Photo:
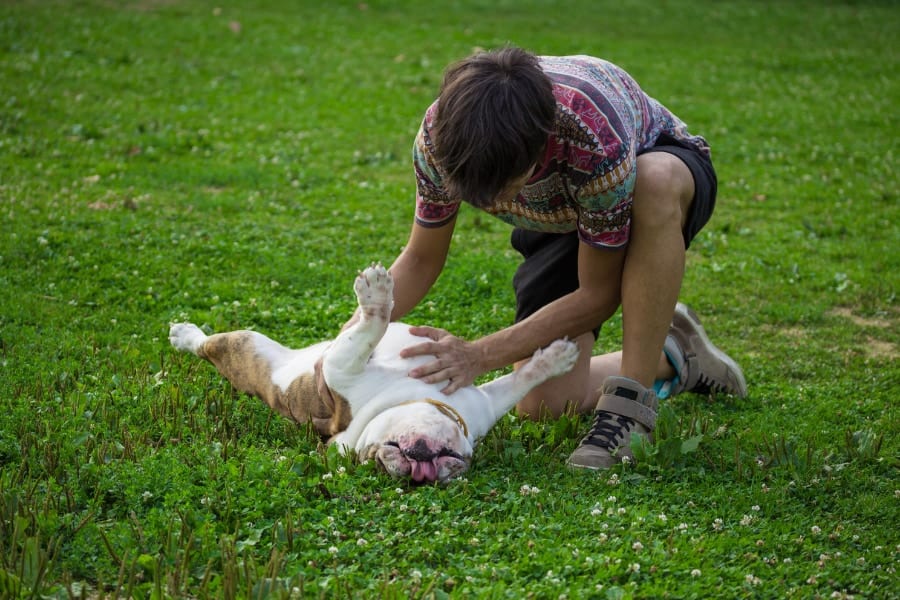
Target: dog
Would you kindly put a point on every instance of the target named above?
(374, 408)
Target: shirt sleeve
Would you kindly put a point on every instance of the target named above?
(605, 200)
(434, 208)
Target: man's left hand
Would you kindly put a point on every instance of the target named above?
(456, 360)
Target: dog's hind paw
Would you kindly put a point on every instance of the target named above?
(186, 337)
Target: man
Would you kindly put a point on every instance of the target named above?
(605, 188)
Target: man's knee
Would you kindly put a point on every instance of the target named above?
(663, 190)
(535, 408)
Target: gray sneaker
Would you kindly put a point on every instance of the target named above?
(702, 368)
(625, 409)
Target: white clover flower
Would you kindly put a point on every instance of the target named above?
(416, 574)
(341, 470)
(746, 520)
(361, 542)
(815, 529)
(752, 579)
(662, 517)
(718, 525)
(332, 550)
(596, 512)
(611, 499)
(327, 476)
(755, 508)
(634, 567)
(399, 491)
(637, 546)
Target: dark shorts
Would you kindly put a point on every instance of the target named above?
(550, 268)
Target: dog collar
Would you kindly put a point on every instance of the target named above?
(445, 409)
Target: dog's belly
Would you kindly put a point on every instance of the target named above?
(396, 338)
(385, 363)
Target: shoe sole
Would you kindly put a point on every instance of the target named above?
(686, 319)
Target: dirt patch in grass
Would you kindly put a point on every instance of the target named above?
(875, 348)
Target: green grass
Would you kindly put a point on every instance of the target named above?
(236, 166)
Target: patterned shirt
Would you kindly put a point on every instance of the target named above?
(585, 181)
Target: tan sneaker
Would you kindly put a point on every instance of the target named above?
(625, 409)
(701, 366)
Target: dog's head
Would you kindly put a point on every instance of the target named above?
(426, 441)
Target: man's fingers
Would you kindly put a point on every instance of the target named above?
(418, 350)
(430, 332)
(450, 388)
(429, 373)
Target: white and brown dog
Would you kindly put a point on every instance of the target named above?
(408, 426)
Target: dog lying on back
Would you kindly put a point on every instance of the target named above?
(408, 426)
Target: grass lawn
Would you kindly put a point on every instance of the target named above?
(235, 164)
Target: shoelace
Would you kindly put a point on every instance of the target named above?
(607, 428)
(706, 384)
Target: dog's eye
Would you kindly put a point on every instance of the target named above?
(394, 444)
(449, 452)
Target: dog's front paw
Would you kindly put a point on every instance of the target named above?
(186, 337)
(375, 288)
(554, 360)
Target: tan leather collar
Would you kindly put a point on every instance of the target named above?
(446, 409)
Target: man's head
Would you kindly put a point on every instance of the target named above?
(494, 114)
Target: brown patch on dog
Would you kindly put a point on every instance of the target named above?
(235, 356)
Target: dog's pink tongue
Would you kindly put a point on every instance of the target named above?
(423, 471)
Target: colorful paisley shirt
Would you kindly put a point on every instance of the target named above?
(585, 181)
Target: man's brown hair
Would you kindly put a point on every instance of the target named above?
(494, 114)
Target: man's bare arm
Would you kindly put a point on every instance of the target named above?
(596, 299)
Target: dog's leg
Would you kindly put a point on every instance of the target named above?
(505, 392)
(348, 354)
(247, 359)
(187, 337)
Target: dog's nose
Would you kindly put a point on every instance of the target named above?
(419, 451)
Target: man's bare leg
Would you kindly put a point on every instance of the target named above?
(651, 280)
